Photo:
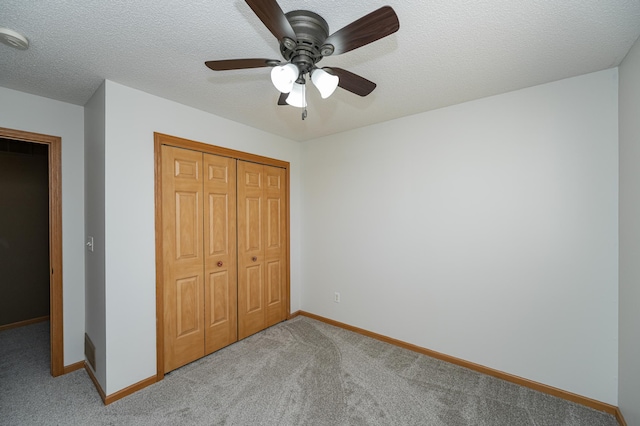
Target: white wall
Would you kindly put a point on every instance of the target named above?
(486, 231)
(31, 113)
(94, 186)
(629, 350)
(131, 118)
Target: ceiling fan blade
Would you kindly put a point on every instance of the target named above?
(238, 64)
(374, 26)
(282, 100)
(352, 82)
(273, 18)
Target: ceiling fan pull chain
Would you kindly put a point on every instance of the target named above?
(304, 100)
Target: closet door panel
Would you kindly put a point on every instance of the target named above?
(251, 309)
(261, 247)
(275, 247)
(183, 256)
(220, 262)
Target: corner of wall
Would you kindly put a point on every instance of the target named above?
(629, 236)
(94, 208)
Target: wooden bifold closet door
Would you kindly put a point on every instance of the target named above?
(261, 247)
(204, 307)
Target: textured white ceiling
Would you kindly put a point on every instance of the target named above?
(446, 52)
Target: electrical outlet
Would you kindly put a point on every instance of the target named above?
(336, 297)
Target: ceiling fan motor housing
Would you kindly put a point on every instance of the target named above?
(311, 31)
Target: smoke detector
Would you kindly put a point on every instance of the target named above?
(13, 39)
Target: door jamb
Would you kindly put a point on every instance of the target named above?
(162, 139)
(55, 239)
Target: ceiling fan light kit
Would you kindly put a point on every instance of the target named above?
(304, 40)
(325, 82)
(297, 96)
(284, 76)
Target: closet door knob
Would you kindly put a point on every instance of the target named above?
(219, 263)
(254, 258)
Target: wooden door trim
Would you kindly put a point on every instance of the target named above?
(218, 150)
(55, 239)
(163, 139)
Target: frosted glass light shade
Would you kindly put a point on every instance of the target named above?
(284, 76)
(297, 96)
(325, 82)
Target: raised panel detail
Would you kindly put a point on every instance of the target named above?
(185, 169)
(254, 289)
(252, 179)
(273, 182)
(254, 226)
(218, 173)
(187, 213)
(187, 306)
(218, 224)
(273, 222)
(274, 294)
(219, 293)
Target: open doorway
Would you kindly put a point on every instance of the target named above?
(24, 233)
(50, 148)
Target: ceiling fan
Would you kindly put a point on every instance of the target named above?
(304, 40)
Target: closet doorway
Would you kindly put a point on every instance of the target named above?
(54, 154)
(222, 247)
